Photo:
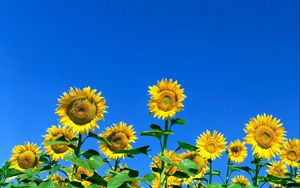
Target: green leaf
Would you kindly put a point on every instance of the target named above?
(95, 162)
(71, 157)
(93, 135)
(155, 127)
(214, 185)
(234, 185)
(183, 145)
(156, 133)
(119, 179)
(186, 165)
(140, 150)
(148, 178)
(47, 184)
(178, 121)
(180, 174)
(89, 153)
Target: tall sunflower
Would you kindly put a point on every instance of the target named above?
(80, 175)
(211, 145)
(242, 180)
(172, 156)
(290, 154)
(58, 151)
(25, 156)
(166, 99)
(266, 135)
(278, 169)
(237, 151)
(201, 164)
(81, 109)
(120, 136)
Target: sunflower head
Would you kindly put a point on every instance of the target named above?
(172, 181)
(80, 175)
(165, 99)
(199, 160)
(290, 154)
(211, 145)
(266, 135)
(242, 180)
(25, 156)
(120, 136)
(58, 180)
(58, 151)
(237, 151)
(278, 169)
(172, 156)
(81, 109)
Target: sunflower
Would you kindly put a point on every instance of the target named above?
(81, 109)
(237, 151)
(58, 180)
(266, 135)
(211, 145)
(172, 156)
(165, 99)
(58, 151)
(290, 154)
(171, 182)
(201, 164)
(80, 175)
(120, 136)
(25, 156)
(242, 180)
(278, 169)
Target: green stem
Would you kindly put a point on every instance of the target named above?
(227, 173)
(257, 168)
(210, 171)
(291, 172)
(165, 142)
(78, 145)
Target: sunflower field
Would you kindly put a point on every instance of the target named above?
(60, 160)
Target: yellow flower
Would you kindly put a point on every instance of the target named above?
(172, 156)
(81, 109)
(237, 151)
(120, 136)
(58, 151)
(211, 145)
(79, 178)
(278, 169)
(171, 182)
(58, 180)
(201, 164)
(165, 99)
(290, 154)
(242, 180)
(25, 156)
(266, 135)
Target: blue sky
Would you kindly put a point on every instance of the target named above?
(235, 59)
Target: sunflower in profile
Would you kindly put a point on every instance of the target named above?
(237, 151)
(266, 135)
(211, 145)
(172, 181)
(165, 99)
(242, 180)
(58, 180)
(290, 154)
(278, 169)
(25, 156)
(58, 151)
(201, 164)
(81, 109)
(120, 136)
(172, 156)
(80, 175)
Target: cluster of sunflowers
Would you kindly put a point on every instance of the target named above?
(63, 162)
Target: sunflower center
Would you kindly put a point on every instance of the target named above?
(211, 147)
(27, 160)
(293, 155)
(235, 151)
(167, 100)
(59, 148)
(264, 136)
(118, 141)
(82, 111)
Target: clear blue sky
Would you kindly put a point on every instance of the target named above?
(235, 59)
